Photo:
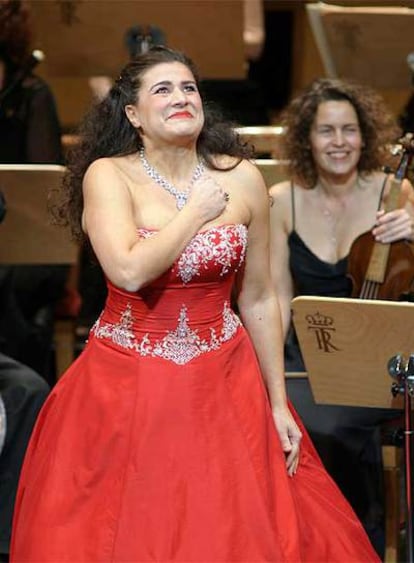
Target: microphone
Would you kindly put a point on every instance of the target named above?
(140, 38)
(36, 57)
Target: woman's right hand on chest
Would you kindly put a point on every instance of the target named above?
(207, 198)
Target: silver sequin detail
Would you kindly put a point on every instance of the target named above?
(217, 245)
(179, 346)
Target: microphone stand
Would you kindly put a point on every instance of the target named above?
(403, 372)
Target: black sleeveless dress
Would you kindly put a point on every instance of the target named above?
(311, 276)
(347, 438)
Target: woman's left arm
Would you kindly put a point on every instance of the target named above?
(399, 223)
(259, 310)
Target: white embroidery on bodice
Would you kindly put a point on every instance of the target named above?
(179, 346)
(217, 245)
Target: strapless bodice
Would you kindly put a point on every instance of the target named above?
(186, 311)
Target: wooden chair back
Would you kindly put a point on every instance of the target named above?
(265, 138)
(27, 236)
(273, 170)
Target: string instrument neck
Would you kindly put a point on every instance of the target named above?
(385, 270)
(377, 265)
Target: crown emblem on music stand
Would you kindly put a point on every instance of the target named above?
(318, 320)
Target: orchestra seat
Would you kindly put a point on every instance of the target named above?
(273, 170)
(264, 138)
(28, 237)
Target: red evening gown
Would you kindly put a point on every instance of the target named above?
(158, 444)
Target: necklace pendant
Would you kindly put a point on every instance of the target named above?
(181, 200)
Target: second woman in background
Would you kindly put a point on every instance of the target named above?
(335, 143)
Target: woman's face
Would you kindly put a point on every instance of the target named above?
(336, 139)
(169, 107)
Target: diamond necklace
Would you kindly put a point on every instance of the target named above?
(181, 196)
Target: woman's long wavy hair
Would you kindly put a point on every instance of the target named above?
(106, 131)
(378, 127)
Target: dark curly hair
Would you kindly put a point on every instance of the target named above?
(106, 131)
(378, 127)
(15, 35)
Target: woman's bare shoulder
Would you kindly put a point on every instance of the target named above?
(100, 167)
(108, 171)
(249, 168)
(122, 167)
(280, 192)
(108, 164)
(241, 172)
(234, 164)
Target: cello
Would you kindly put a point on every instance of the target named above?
(385, 270)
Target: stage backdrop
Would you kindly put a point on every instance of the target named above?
(83, 38)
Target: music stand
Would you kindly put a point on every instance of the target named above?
(367, 44)
(351, 347)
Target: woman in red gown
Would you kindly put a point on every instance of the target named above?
(170, 438)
